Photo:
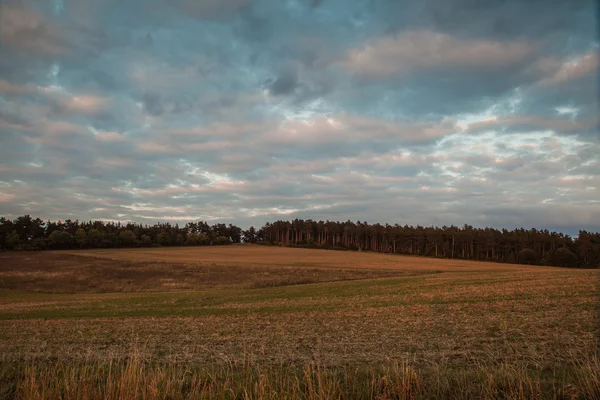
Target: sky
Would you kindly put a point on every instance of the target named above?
(239, 111)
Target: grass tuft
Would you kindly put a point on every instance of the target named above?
(139, 380)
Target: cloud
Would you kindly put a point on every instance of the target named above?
(572, 70)
(153, 104)
(410, 51)
(243, 111)
(85, 104)
(285, 83)
(23, 29)
(558, 20)
(315, 3)
(212, 9)
(110, 137)
(8, 88)
(349, 128)
(528, 122)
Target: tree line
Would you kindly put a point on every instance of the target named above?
(526, 246)
(27, 233)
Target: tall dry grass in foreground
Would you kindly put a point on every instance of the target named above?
(136, 379)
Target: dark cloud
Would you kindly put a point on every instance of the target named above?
(212, 9)
(153, 104)
(285, 83)
(505, 20)
(253, 26)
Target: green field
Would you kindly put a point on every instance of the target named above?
(260, 322)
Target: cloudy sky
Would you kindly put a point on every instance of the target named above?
(411, 112)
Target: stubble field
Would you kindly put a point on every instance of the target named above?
(266, 322)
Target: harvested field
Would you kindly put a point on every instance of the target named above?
(252, 255)
(121, 271)
(251, 305)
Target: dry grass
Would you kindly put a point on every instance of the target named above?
(253, 255)
(138, 380)
(252, 329)
(101, 272)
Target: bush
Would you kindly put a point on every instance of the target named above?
(81, 237)
(12, 240)
(221, 240)
(60, 239)
(193, 239)
(528, 256)
(164, 239)
(146, 241)
(127, 238)
(339, 248)
(94, 237)
(38, 244)
(564, 257)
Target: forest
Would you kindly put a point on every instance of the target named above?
(524, 246)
